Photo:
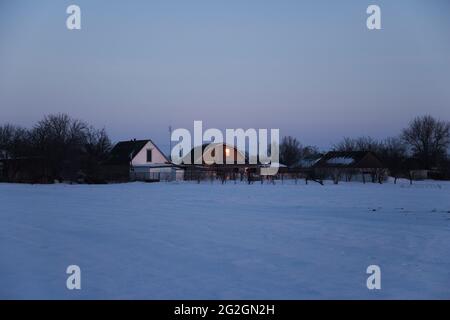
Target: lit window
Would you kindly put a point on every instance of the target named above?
(227, 152)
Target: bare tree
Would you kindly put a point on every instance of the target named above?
(393, 153)
(98, 143)
(290, 151)
(70, 147)
(96, 150)
(59, 139)
(428, 139)
(13, 141)
(6, 136)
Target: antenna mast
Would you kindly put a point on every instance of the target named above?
(170, 143)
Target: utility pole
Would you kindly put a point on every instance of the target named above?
(170, 143)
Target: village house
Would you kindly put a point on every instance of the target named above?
(350, 165)
(139, 160)
(200, 163)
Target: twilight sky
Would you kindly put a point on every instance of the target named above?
(310, 68)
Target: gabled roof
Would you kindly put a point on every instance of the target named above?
(349, 159)
(124, 151)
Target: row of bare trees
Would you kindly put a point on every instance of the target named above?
(58, 146)
(426, 140)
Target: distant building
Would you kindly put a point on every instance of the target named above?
(361, 165)
(200, 163)
(139, 160)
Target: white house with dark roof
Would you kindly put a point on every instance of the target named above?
(142, 160)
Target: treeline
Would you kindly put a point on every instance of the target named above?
(57, 148)
(424, 144)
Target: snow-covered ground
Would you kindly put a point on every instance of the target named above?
(213, 241)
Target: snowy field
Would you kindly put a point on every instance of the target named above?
(213, 241)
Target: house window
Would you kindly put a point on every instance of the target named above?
(149, 155)
(227, 152)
